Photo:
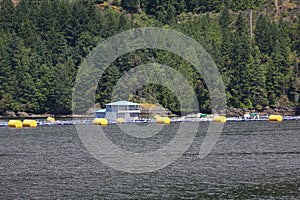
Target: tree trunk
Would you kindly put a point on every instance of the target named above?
(276, 8)
(251, 23)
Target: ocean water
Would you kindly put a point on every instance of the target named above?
(251, 160)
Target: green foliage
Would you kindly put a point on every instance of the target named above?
(42, 43)
(130, 5)
(245, 4)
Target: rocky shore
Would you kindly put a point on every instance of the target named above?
(230, 112)
(285, 111)
(12, 115)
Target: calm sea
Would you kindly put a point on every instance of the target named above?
(251, 160)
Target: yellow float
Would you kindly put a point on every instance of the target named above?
(51, 119)
(220, 119)
(15, 124)
(163, 120)
(29, 123)
(100, 121)
(275, 118)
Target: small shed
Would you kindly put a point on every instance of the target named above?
(100, 113)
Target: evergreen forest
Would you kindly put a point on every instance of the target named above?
(254, 43)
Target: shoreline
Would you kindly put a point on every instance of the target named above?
(230, 112)
(283, 111)
(90, 121)
(41, 116)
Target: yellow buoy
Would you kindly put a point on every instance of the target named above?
(163, 120)
(275, 118)
(120, 120)
(50, 119)
(29, 123)
(220, 119)
(100, 121)
(15, 124)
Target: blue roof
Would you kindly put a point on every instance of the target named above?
(122, 103)
(102, 110)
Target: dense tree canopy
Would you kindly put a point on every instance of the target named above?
(42, 44)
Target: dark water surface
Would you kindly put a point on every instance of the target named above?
(250, 160)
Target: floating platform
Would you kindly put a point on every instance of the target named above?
(172, 120)
(3, 123)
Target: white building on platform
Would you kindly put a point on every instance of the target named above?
(121, 109)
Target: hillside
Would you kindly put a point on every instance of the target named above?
(43, 43)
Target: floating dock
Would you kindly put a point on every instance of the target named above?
(172, 120)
